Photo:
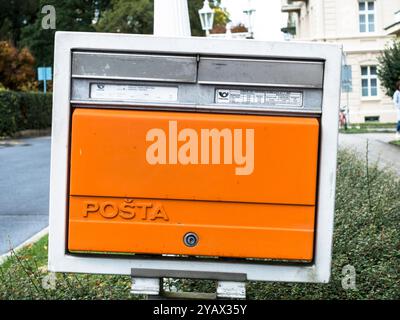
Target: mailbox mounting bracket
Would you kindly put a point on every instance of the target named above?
(150, 282)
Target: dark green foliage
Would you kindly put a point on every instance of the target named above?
(9, 107)
(24, 110)
(195, 24)
(22, 23)
(367, 236)
(15, 15)
(77, 15)
(127, 16)
(35, 111)
(389, 68)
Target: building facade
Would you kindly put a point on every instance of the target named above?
(364, 28)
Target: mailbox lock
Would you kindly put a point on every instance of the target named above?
(190, 239)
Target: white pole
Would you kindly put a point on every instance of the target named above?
(171, 18)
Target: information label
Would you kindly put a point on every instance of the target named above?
(120, 92)
(274, 98)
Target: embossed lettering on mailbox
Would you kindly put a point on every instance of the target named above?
(128, 209)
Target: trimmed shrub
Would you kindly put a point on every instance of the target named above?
(9, 112)
(35, 111)
(23, 111)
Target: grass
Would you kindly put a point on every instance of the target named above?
(366, 236)
(369, 127)
(23, 274)
(365, 130)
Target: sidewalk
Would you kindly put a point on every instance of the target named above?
(379, 149)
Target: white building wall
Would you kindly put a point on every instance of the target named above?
(338, 21)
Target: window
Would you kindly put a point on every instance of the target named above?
(369, 81)
(371, 119)
(366, 11)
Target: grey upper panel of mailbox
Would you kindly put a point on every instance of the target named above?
(279, 73)
(234, 71)
(134, 67)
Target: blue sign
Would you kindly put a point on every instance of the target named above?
(44, 74)
(347, 84)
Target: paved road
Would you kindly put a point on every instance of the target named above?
(386, 155)
(24, 189)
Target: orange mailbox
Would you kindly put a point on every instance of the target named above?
(257, 200)
(214, 152)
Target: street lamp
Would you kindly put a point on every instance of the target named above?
(206, 17)
(249, 12)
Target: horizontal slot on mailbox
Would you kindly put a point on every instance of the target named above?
(300, 74)
(125, 66)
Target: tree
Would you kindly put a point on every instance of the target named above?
(16, 67)
(72, 15)
(389, 67)
(136, 16)
(14, 15)
(127, 16)
(221, 17)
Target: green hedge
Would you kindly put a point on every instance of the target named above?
(23, 111)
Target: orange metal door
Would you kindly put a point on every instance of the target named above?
(141, 180)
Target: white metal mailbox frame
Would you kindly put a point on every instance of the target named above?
(61, 261)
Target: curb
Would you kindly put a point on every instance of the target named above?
(28, 133)
(28, 242)
(33, 133)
